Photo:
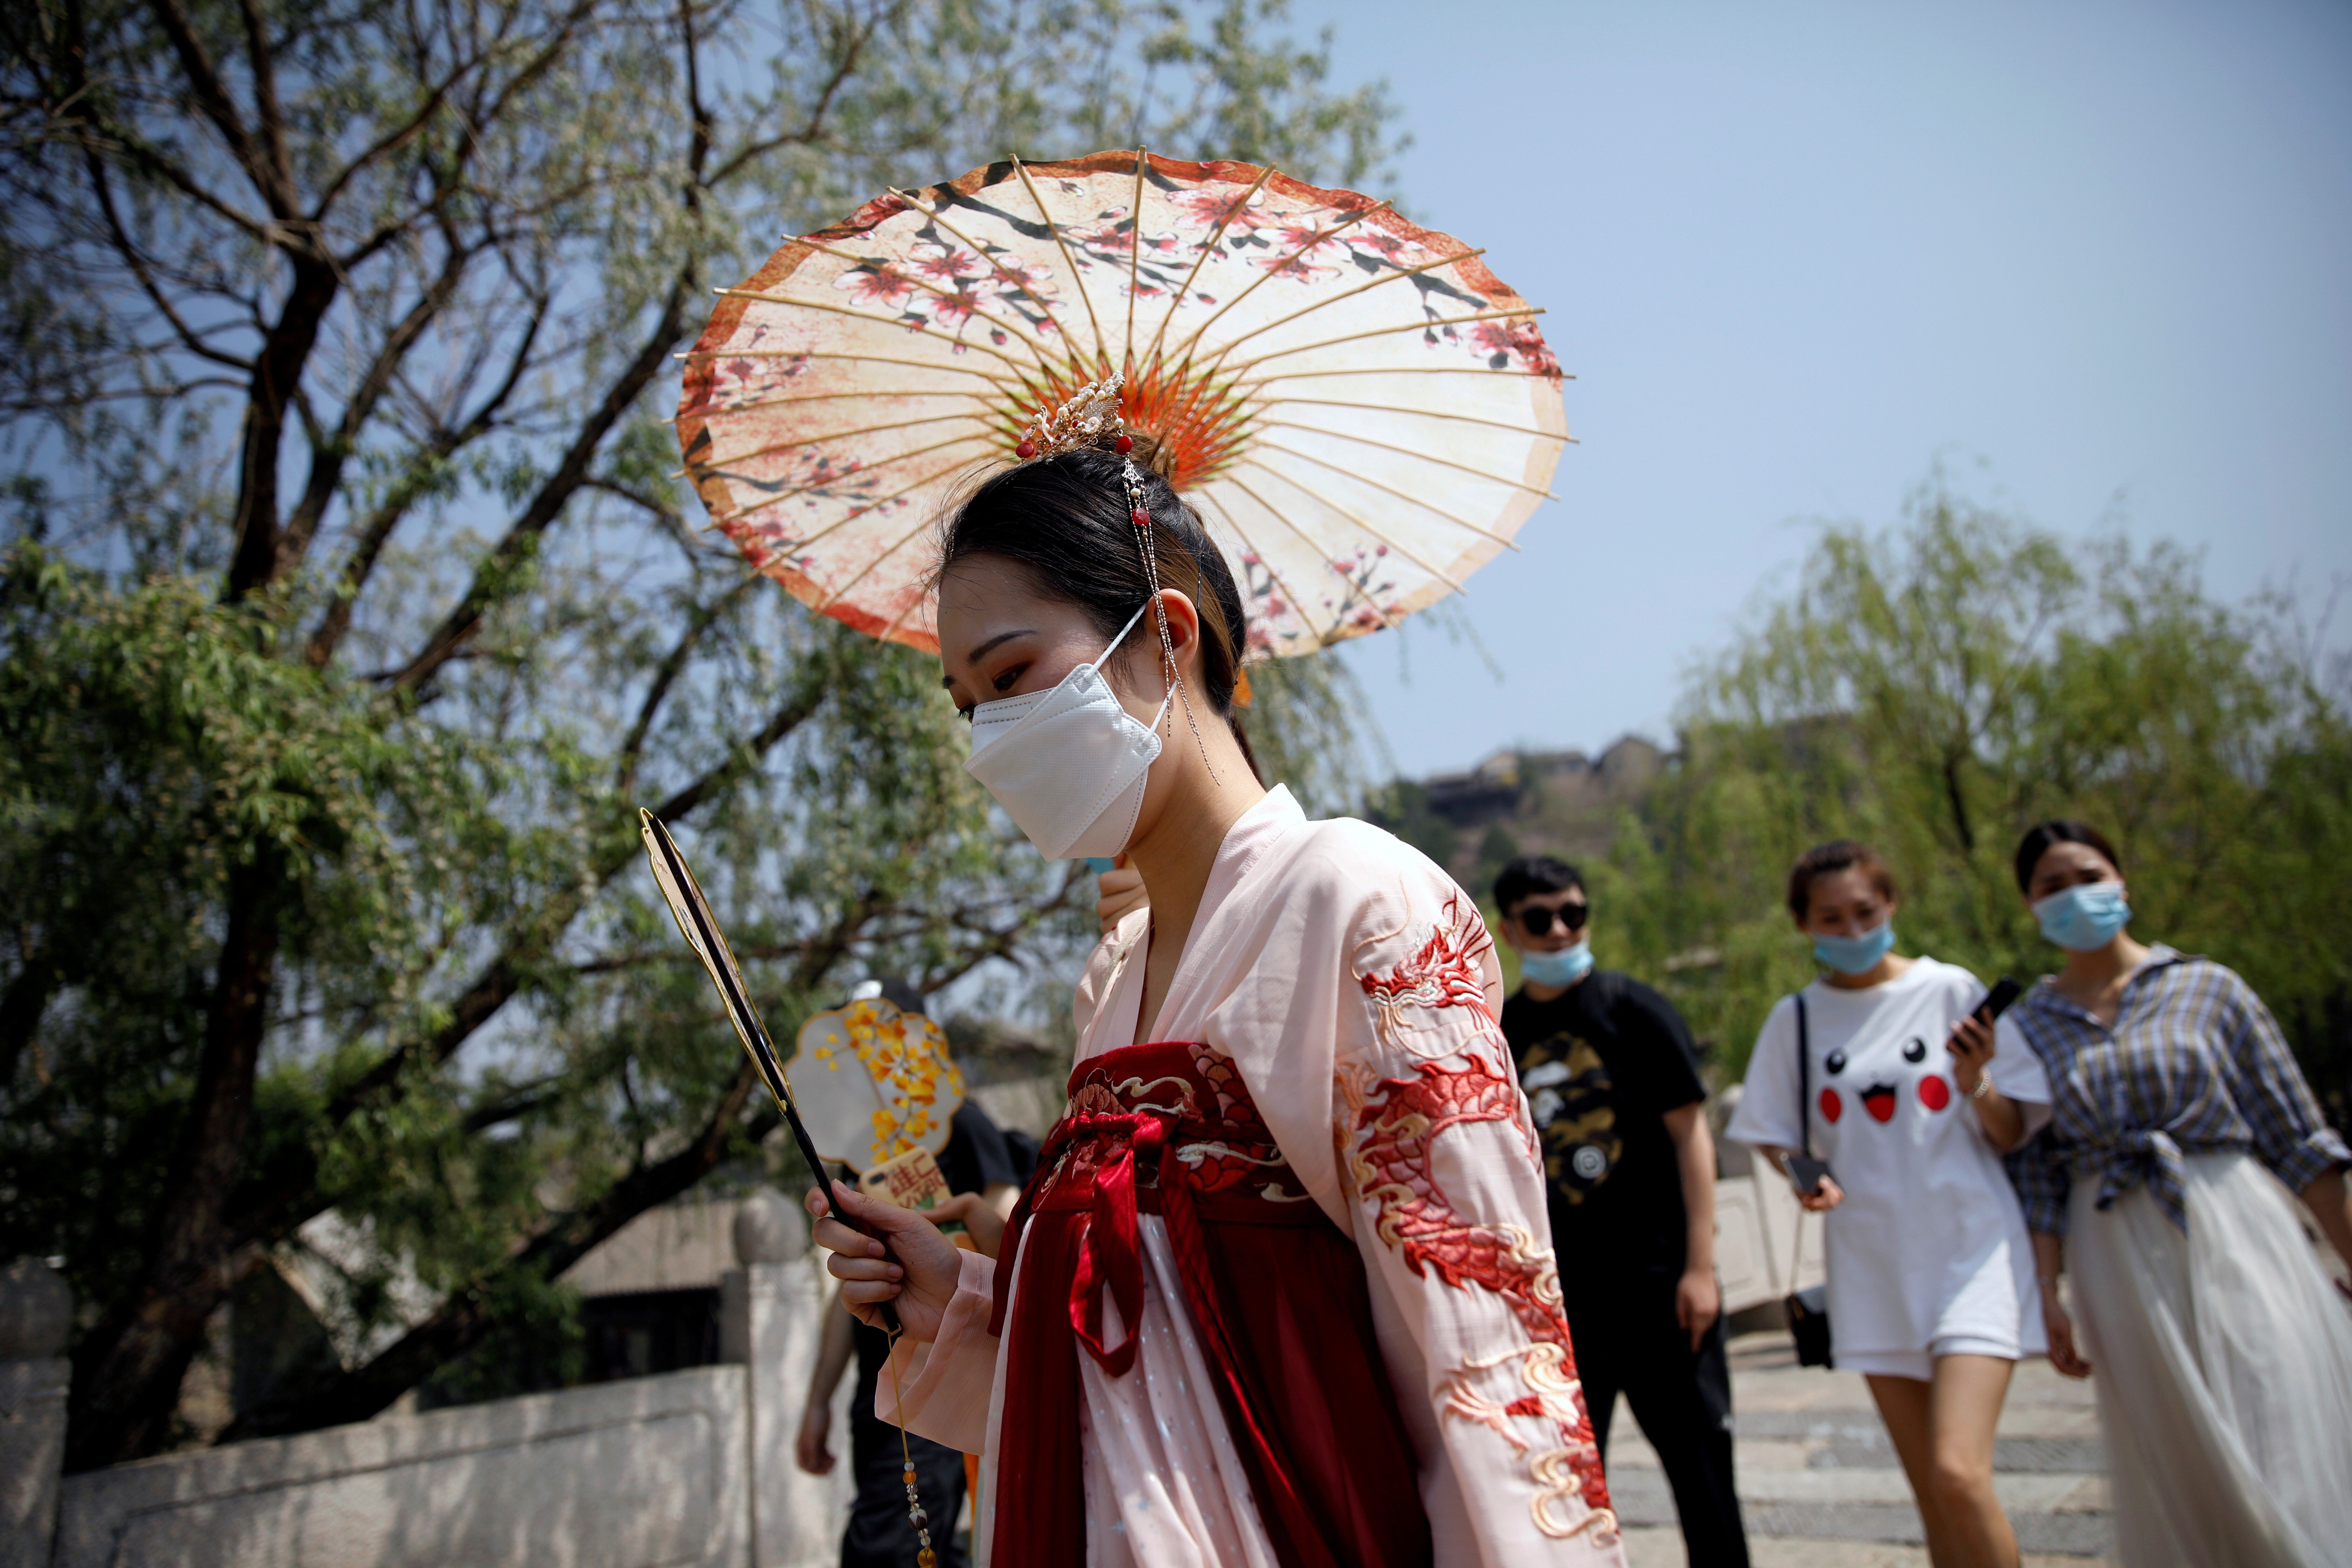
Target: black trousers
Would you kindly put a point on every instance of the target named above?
(879, 1535)
(1682, 1400)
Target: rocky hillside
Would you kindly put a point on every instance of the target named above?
(1521, 803)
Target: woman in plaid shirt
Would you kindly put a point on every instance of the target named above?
(2225, 1355)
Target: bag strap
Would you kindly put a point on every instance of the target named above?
(1804, 1077)
(1805, 1121)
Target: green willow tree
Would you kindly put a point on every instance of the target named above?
(350, 610)
(1936, 689)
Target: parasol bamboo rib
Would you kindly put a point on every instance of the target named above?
(734, 457)
(855, 513)
(1015, 322)
(1401, 274)
(917, 603)
(1399, 370)
(1078, 279)
(1248, 365)
(1069, 354)
(832, 353)
(993, 379)
(1409, 452)
(1283, 518)
(905, 539)
(1184, 349)
(1208, 247)
(828, 397)
(919, 329)
(1134, 259)
(878, 463)
(1232, 523)
(1366, 480)
(1351, 517)
(1421, 414)
(851, 516)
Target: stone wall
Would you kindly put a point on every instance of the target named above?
(686, 1469)
(35, 1314)
(625, 1475)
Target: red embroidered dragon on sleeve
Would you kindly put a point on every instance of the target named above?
(1395, 1120)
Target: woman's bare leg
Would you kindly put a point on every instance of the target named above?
(1964, 1406)
(1906, 1405)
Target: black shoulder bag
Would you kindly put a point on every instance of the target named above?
(1808, 1310)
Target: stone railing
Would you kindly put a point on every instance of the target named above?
(686, 1468)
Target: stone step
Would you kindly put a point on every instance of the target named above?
(1820, 1485)
(1857, 1437)
(1642, 1498)
(1656, 1546)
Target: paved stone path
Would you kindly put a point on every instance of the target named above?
(1821, 1487)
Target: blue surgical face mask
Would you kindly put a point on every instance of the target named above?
(1564, 968)
(2083, 919)
(1855, 954)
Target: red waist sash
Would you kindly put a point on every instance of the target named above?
(1276, 1292)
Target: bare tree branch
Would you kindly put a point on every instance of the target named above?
(213, 99)
(665, 675)
(375, 533)
(328, 457)
(466, 618)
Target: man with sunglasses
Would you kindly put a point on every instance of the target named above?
(1613, 1079)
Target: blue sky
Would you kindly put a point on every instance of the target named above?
(2097, 257)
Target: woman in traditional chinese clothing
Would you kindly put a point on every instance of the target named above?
(1279, 1294)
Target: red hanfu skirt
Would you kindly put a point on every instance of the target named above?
(1274, 1291)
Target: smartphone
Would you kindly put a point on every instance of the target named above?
(1807, 1172)
(2004, 991)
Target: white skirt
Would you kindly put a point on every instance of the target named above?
(2223, 1364)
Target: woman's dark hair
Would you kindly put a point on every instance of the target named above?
(1066, 521)
(1837, 855)
(2058, 830)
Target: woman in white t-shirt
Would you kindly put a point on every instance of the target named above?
(1931, 1286)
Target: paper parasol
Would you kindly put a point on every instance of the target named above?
(1361, 410)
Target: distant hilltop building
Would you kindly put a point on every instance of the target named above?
(1521, 803)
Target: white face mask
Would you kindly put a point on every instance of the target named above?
(1068, 765)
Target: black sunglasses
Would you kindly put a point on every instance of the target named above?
(1538, 919)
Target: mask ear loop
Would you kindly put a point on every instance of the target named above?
(1105, 657)
(1140, 515)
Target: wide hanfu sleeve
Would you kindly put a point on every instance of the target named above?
(944, 1388)
(1440, 1168)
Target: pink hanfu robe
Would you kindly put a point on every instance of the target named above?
(1279, 1296)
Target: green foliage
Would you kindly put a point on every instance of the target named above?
(1933, 691)
(1305, 723)
(152, 750)
(1402, 807)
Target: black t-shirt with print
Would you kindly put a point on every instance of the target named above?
(1602, 1066)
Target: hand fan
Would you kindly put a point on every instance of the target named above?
(700, 928)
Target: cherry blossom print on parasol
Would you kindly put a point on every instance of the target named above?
(1363, 413)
